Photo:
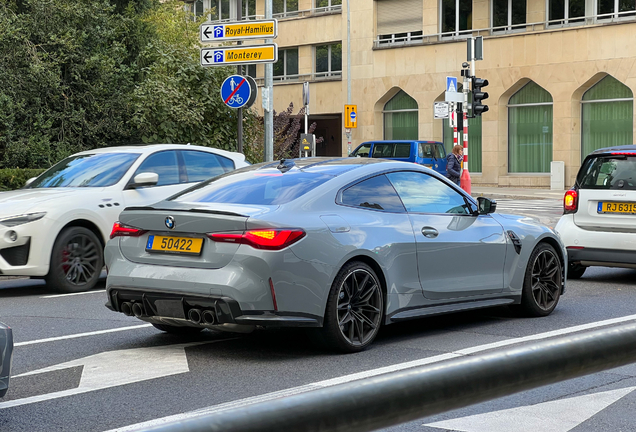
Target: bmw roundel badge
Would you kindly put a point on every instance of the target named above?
(170, 222)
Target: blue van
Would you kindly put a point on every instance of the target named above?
(431, 154)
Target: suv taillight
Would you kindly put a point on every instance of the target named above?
(570, 201)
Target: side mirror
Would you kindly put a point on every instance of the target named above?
(29, 181)
(486, 206)
(144, 179)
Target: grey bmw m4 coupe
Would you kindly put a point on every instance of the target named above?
(346, 245)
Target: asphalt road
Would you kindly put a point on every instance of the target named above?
(80, 367)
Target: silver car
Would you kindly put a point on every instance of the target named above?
(346, 245)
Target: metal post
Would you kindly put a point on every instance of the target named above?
(469, 70)
(268, 115)
(239, 71)
(348, 72)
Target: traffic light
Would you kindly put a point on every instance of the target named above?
(479, 96)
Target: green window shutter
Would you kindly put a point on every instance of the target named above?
(530, 130)
(606, 123)
(401, 117)
(474, 142)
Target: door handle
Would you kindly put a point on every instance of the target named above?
(430, 232)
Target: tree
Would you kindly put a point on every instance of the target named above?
(287, 129)
(67, 72)
(178, 100)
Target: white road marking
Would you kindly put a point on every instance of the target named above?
(366, 374)
(116, 368)
(73, 294)
(560, 415)
(78, 335)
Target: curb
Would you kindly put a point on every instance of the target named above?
(511, 196)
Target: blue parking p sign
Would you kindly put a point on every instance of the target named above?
(236, 91)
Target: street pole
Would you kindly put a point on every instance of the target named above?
(348, 72)
(239, 70)
(465, 182)
(268, 114)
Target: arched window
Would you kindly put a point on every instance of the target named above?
(530, 130)
(400, 117)
(607, 116)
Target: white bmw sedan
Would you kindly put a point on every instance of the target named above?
(56, 226)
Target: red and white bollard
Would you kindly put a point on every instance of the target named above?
(464, 181)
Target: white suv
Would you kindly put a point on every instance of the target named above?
(56, 226)
(598, 226)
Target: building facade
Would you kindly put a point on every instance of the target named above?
(561, 74)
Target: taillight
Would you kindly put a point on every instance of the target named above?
(269, 239)
(570, 201)
(121, 230)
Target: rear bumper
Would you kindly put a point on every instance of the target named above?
(596, 256)
(173, 309)
(601, 248)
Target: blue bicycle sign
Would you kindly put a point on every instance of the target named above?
(235, 91)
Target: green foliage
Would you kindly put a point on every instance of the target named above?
(14, 178)
(83, 74)
(178, 100)
(67, 73)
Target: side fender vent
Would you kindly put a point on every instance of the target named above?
(516, 241)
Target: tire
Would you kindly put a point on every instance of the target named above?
(177, 330)
(575, 271)
(76, 261)
(542, 282)
(355, 308)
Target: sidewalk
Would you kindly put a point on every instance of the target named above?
(516, 193)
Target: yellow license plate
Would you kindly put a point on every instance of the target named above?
(178, 245)
(617, 207)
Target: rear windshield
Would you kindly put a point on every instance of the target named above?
(608, 172)
(391, 150)
(262, 187)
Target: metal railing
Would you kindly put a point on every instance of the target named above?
(316, 76)
(399, 397)
(384, 41)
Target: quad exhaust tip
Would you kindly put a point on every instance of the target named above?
(126, 309)
(208, 317)
(194, 315)
(137, 310)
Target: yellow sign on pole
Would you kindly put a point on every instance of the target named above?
(240, 54)
(351, 116)
(263, 29)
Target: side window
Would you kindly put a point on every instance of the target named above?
(163, 163)
(431, 150)
(439, 151)
(402, 150)
(201, 165)
(384, 150)
(422, 193)
(362, 151)
(375, 193)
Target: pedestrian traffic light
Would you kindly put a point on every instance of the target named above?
(479, 96)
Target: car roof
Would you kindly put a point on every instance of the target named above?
(327, 165)
(625, 148)
(150, 148)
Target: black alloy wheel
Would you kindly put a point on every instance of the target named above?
(76, 260)
(354, 308)
(543, 282)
